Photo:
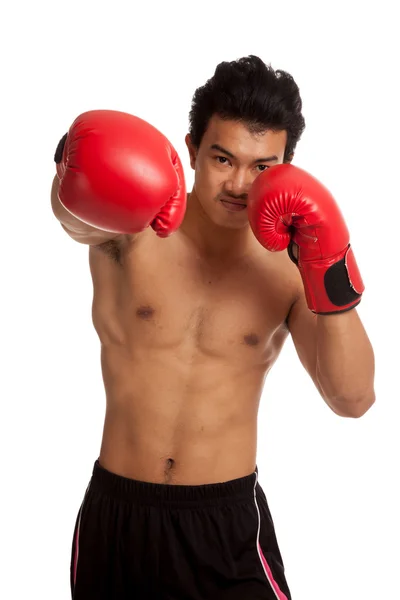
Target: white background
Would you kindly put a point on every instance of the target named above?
(331, 482)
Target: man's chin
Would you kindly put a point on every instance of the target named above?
(237, 223)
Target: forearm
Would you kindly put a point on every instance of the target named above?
(345, 363)
(63, 215)
(77, 229)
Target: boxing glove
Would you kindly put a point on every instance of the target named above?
(120, 174)
(288, 206)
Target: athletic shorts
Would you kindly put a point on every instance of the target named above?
(148, 541)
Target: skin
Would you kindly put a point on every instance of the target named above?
(190, 326)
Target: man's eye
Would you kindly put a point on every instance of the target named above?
(262, 167)
(221, 159)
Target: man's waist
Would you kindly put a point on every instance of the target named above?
(181, 452)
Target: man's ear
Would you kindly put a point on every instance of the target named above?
(192, 151)
(290, 158)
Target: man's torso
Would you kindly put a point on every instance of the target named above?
(187, 341)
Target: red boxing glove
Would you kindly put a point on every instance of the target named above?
(120, 174)
(288, 206)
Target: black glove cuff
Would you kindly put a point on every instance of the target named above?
(60, 149)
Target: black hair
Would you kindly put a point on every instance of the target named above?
(248, 90)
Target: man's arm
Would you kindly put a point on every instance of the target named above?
(337, 354)
(77, 229)
(290, 209)
(121, 175)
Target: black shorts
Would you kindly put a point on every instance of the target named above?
(150, 541)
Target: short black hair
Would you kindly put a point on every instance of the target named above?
(251, 91)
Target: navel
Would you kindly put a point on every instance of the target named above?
(169, 463)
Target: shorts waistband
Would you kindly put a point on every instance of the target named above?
(156, 494)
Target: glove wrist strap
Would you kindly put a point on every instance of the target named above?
(332, 285)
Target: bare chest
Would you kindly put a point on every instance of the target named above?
(163, 295)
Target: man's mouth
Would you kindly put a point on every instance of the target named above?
(233, 205)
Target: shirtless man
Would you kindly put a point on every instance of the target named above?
(192, 306)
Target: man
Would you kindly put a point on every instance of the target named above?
(192, 305)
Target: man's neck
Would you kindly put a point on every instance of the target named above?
(211, 240)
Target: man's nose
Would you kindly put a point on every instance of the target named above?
(239, 182)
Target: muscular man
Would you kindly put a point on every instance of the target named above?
(192, 305)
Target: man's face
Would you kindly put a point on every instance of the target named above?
(226, 164)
